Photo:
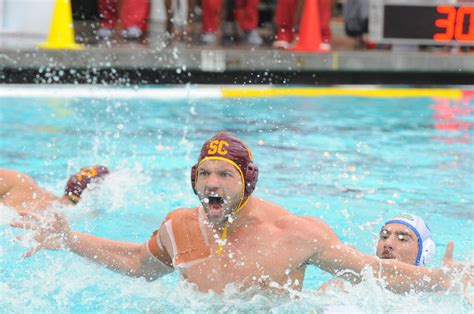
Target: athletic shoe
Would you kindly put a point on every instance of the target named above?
(209, 38)
(281, 44)
(253, 38)
(104, 33)
(132, 32)
(325, 46)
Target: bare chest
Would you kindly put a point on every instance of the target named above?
(259, 260)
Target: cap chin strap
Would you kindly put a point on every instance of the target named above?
(73, 198)
(226, 227)
(241, 204)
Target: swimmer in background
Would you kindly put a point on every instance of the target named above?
(405, 238)
(233, 237)
(20, 192)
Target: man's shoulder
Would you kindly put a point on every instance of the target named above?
(182, 212)
(303, 226)
(15, 180)
(14, 176)
(268, 207)
(177, 215)
(291, 219)
(284, 218)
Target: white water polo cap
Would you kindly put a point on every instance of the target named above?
(426, 245)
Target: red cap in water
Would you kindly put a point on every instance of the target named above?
(77, 183)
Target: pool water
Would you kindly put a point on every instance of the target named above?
(351, 161)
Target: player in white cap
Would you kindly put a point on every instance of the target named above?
(404, 237)
(408, 239)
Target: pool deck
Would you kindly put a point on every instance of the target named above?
(151, 62)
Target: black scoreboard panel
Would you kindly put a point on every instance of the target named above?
(424, 24)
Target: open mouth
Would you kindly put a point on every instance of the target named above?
(215, 201)
(215, 205)
(386, 255)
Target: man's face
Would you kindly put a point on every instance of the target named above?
(219, 187)
(399, 242)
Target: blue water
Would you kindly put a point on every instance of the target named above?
(351, 161)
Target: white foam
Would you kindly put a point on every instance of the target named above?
(7, 214)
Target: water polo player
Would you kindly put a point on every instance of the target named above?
(235, 238)
(406, 238)
(21, 192)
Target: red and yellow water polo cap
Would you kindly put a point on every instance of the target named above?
(228, 147)
(78, 182)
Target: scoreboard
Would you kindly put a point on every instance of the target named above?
(422, 22)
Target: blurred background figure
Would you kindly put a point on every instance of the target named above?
(356, 21)
(130, 15)
(245, 16)
(287, 17)
(176, 29)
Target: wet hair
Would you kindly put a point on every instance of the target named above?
(229, 148)
(78, 182)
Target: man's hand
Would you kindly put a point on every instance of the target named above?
(54, 233)
(460, 273)
(50, 233)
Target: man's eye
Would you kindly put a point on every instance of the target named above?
(402, 238)
(225, 174)
(203, 173)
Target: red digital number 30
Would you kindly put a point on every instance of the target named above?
(453, 23)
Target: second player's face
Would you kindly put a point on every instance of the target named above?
(399, 242)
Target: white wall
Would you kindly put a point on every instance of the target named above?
(26, 16)
(1, 15)
(33, 17)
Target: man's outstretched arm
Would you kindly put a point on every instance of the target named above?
(132, 259)
(346, 262)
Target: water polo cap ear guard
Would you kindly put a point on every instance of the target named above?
(429, 249)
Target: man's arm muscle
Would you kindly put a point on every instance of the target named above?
(132, 259)
(344, 261)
